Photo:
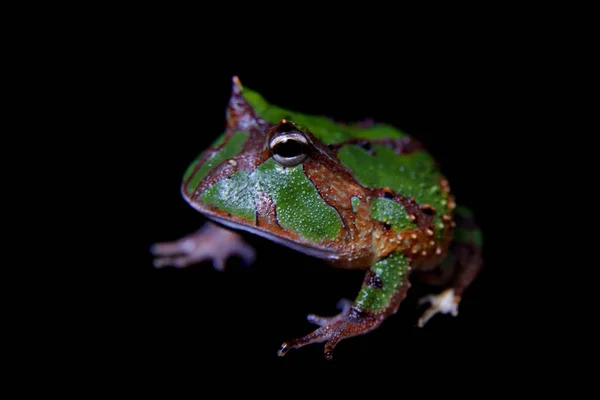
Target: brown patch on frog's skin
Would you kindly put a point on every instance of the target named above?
(240, 115)
(337, 189)
(266, 214)
(371, 240)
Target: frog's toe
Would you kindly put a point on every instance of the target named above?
(177, 261)
(324, 334)
(343, 305)
(446, 303)
(351, 322)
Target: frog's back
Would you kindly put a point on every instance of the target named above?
(378, 155)
(326, 130)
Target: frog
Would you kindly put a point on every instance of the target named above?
(356, 195)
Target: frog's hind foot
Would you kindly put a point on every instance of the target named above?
(211, 242)
(458, 270)
(350, 322)
(445, 303)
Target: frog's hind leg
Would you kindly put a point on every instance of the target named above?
(384, 287)
(457, 271)
(211, 242)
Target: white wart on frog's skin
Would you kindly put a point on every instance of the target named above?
(362, 196)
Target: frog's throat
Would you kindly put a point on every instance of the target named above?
(307, 249)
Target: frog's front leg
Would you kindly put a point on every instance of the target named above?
(211, 242)
(384, 287)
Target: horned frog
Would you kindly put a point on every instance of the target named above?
(357, 195)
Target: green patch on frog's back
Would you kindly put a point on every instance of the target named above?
(232, 148)
(298, 205)
(410, 175)
(388, 211)
(326, 130)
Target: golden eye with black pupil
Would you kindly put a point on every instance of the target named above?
(289, 149)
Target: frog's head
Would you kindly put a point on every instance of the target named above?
(270, 175)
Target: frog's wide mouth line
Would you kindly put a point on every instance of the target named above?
(300, 247)
(305, 248)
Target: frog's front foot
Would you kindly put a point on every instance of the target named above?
(211, 242)
(350, 322)
(446, 303)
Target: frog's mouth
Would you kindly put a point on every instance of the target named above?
(305, 248)
(308, 249)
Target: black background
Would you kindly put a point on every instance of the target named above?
(129, 97)
(461, 103)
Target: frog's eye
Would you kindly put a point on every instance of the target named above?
(289, 148)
